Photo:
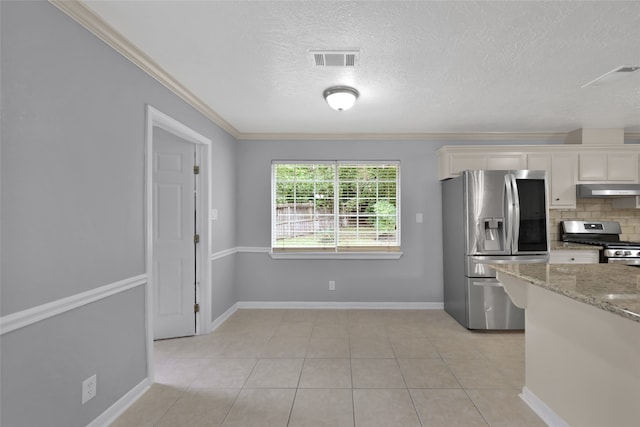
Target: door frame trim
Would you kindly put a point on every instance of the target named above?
(156, 118)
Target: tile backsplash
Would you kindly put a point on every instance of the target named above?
(597, 210)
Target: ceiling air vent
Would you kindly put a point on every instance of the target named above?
(335, 58)
(613, 75)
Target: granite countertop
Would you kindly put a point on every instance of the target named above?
(610, 287)
(566, 246)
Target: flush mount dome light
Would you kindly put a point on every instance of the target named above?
(340, 98)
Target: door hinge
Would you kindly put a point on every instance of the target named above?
(196, 238)
(196, 170)
(196, 308)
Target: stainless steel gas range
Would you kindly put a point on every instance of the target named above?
(605, 234)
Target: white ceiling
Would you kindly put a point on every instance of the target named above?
(425, 67)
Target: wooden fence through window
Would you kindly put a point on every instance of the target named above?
(296, 220)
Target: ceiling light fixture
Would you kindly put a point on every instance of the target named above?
(340, 98)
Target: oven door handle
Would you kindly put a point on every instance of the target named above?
(624, 261)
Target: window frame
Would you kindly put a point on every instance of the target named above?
(335, 251)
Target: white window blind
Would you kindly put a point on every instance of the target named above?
(335, 206)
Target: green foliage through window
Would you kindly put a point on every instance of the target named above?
(335, 205)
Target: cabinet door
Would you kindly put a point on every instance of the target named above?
(592, 167)
(600, 166)
(561, 176)
(509, 161)
(622, 167)
(628, 202)
(563, 179)
(461, 162)
(574, 257)
(540, 162)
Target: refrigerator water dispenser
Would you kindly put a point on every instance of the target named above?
(493, 234)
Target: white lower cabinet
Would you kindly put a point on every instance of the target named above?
(574, 257)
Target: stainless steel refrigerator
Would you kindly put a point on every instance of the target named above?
(490, 217)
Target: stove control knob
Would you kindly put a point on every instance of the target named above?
(617, 253)
(627, 253)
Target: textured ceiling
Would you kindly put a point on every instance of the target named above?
(424, 66)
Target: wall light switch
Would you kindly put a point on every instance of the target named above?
(419, 217)
(214, 214)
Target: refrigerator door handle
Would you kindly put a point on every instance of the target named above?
(490, 282)
(516, 214)
(509, 223)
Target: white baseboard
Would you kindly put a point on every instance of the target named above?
(323, 305)
(342, 305)
(115, 410)
(541, 409)
(224, 316)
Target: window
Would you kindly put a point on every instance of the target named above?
(335, 207)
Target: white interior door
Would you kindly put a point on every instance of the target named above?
(174, 248)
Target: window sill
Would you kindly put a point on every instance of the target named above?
(336, 255)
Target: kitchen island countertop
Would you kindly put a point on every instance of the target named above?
(611, 287)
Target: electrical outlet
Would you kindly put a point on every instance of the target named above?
(332, 285)
(89, 388)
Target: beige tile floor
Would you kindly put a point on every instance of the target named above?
(337, 368)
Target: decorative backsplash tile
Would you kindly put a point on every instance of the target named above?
(597, 210)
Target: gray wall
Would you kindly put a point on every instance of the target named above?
(72, 176)
(43, 365)
(223, 199)
(415, 277)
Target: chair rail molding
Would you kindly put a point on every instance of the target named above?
(23, 318)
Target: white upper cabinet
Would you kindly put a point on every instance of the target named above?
(603, 166)
(563, 180)
(455, 159)
(507, 161)
(628, 202)
(561, 176)
(459, 162)
(566, 165)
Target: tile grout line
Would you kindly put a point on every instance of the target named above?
(404, 380)
(353, 397)
(304, 362)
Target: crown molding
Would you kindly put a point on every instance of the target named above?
(421, 136)
(84, 16)
(417, 136)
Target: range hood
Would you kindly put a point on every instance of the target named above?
(607, 190)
